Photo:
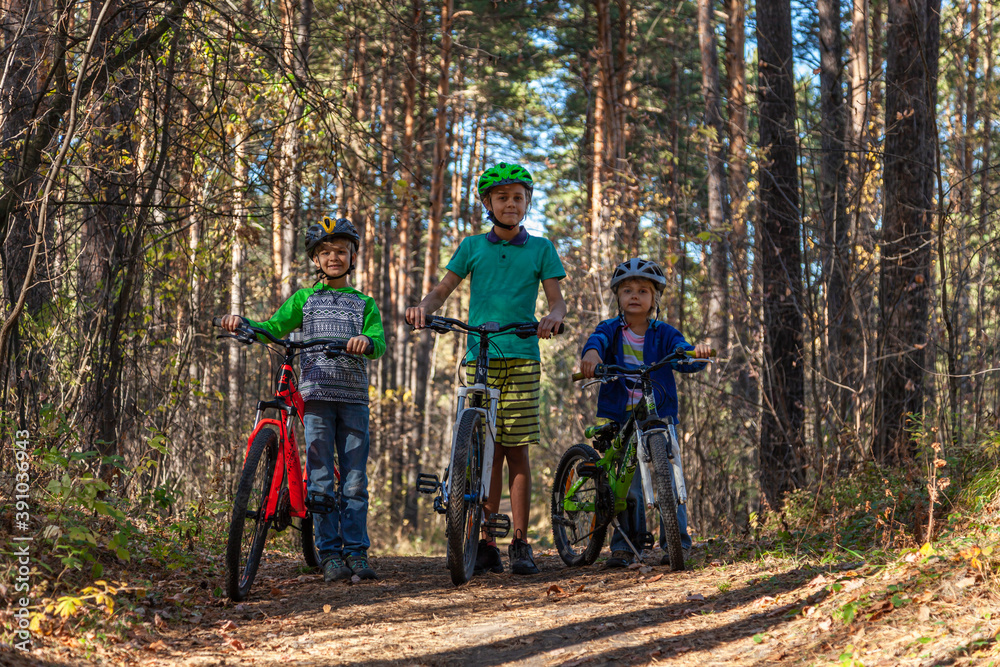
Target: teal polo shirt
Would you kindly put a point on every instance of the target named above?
(504, 277)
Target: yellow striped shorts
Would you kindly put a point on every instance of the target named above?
(517, 413)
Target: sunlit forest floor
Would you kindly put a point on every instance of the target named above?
(746, 602)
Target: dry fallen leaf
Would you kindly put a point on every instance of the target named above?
(825, 624)
(228, 626)
(235, 643)
(327, 608)
(159, 622)
(924, 613)
(695, 597)
(157, 646)
(555, 590)
(656, 578)
(580, 589)
(966, 582)
(276, 592)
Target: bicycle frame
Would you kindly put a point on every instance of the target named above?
(637, 454)
(288, 400)
(479, 391)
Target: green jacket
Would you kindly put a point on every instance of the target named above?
(337, 314)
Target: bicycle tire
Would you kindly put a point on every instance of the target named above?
(578, 535)
(307, 541)
(666, 499)
(464, 509)
(243, 555)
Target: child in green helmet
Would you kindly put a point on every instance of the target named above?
(505, 267)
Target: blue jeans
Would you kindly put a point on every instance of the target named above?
(633, 519)
(338, 428)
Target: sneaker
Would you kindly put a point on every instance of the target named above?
(488, 558)
(618, 559)
(521, 560)
(334, 569)
(359, 566)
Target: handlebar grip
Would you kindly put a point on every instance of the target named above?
(217, 322)
(712, 354)
(599, 370)
(559, 329)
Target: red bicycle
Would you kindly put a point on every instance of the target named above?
(272, 492)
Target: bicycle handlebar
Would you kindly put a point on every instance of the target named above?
(440, 324)
(247, 335)
(678, 355)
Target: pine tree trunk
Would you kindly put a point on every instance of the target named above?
(779, 258)
(910, 163)
(237, 258)
(832, 195)
(718, 207)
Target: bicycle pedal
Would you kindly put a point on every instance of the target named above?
(587, 469)
(320, 503)
(427, 482)
(439, 505)
(645, 541)
(497, 525)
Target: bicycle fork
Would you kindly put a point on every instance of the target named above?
(673, 453)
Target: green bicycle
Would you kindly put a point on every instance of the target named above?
(591, 487)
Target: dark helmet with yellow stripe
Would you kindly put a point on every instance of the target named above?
(328, 229)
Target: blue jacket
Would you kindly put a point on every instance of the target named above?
(661, 339)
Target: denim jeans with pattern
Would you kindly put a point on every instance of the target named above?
(339, 432)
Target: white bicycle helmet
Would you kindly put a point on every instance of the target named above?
(639, 268)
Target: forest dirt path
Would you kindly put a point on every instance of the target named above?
(745, 613)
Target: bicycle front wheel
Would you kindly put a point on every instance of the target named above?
(248, 527)
(465, 511)
(579, 526)
(666, 499)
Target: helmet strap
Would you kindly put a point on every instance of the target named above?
(492, 219)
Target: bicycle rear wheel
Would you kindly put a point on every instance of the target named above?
(248, 527)
(578, 532)
(465, 512)
(666, 499)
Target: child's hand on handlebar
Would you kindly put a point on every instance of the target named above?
(357, 345)
(548, 325)
(702, 350)
(231, 322)
(416, 316)
(589, 363)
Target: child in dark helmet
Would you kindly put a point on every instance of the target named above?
(633, 338)
(505, 268)
(335, 392)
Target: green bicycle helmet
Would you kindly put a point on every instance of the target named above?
(327, 229)
(503, 174)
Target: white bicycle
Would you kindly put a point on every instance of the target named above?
(465, 488)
